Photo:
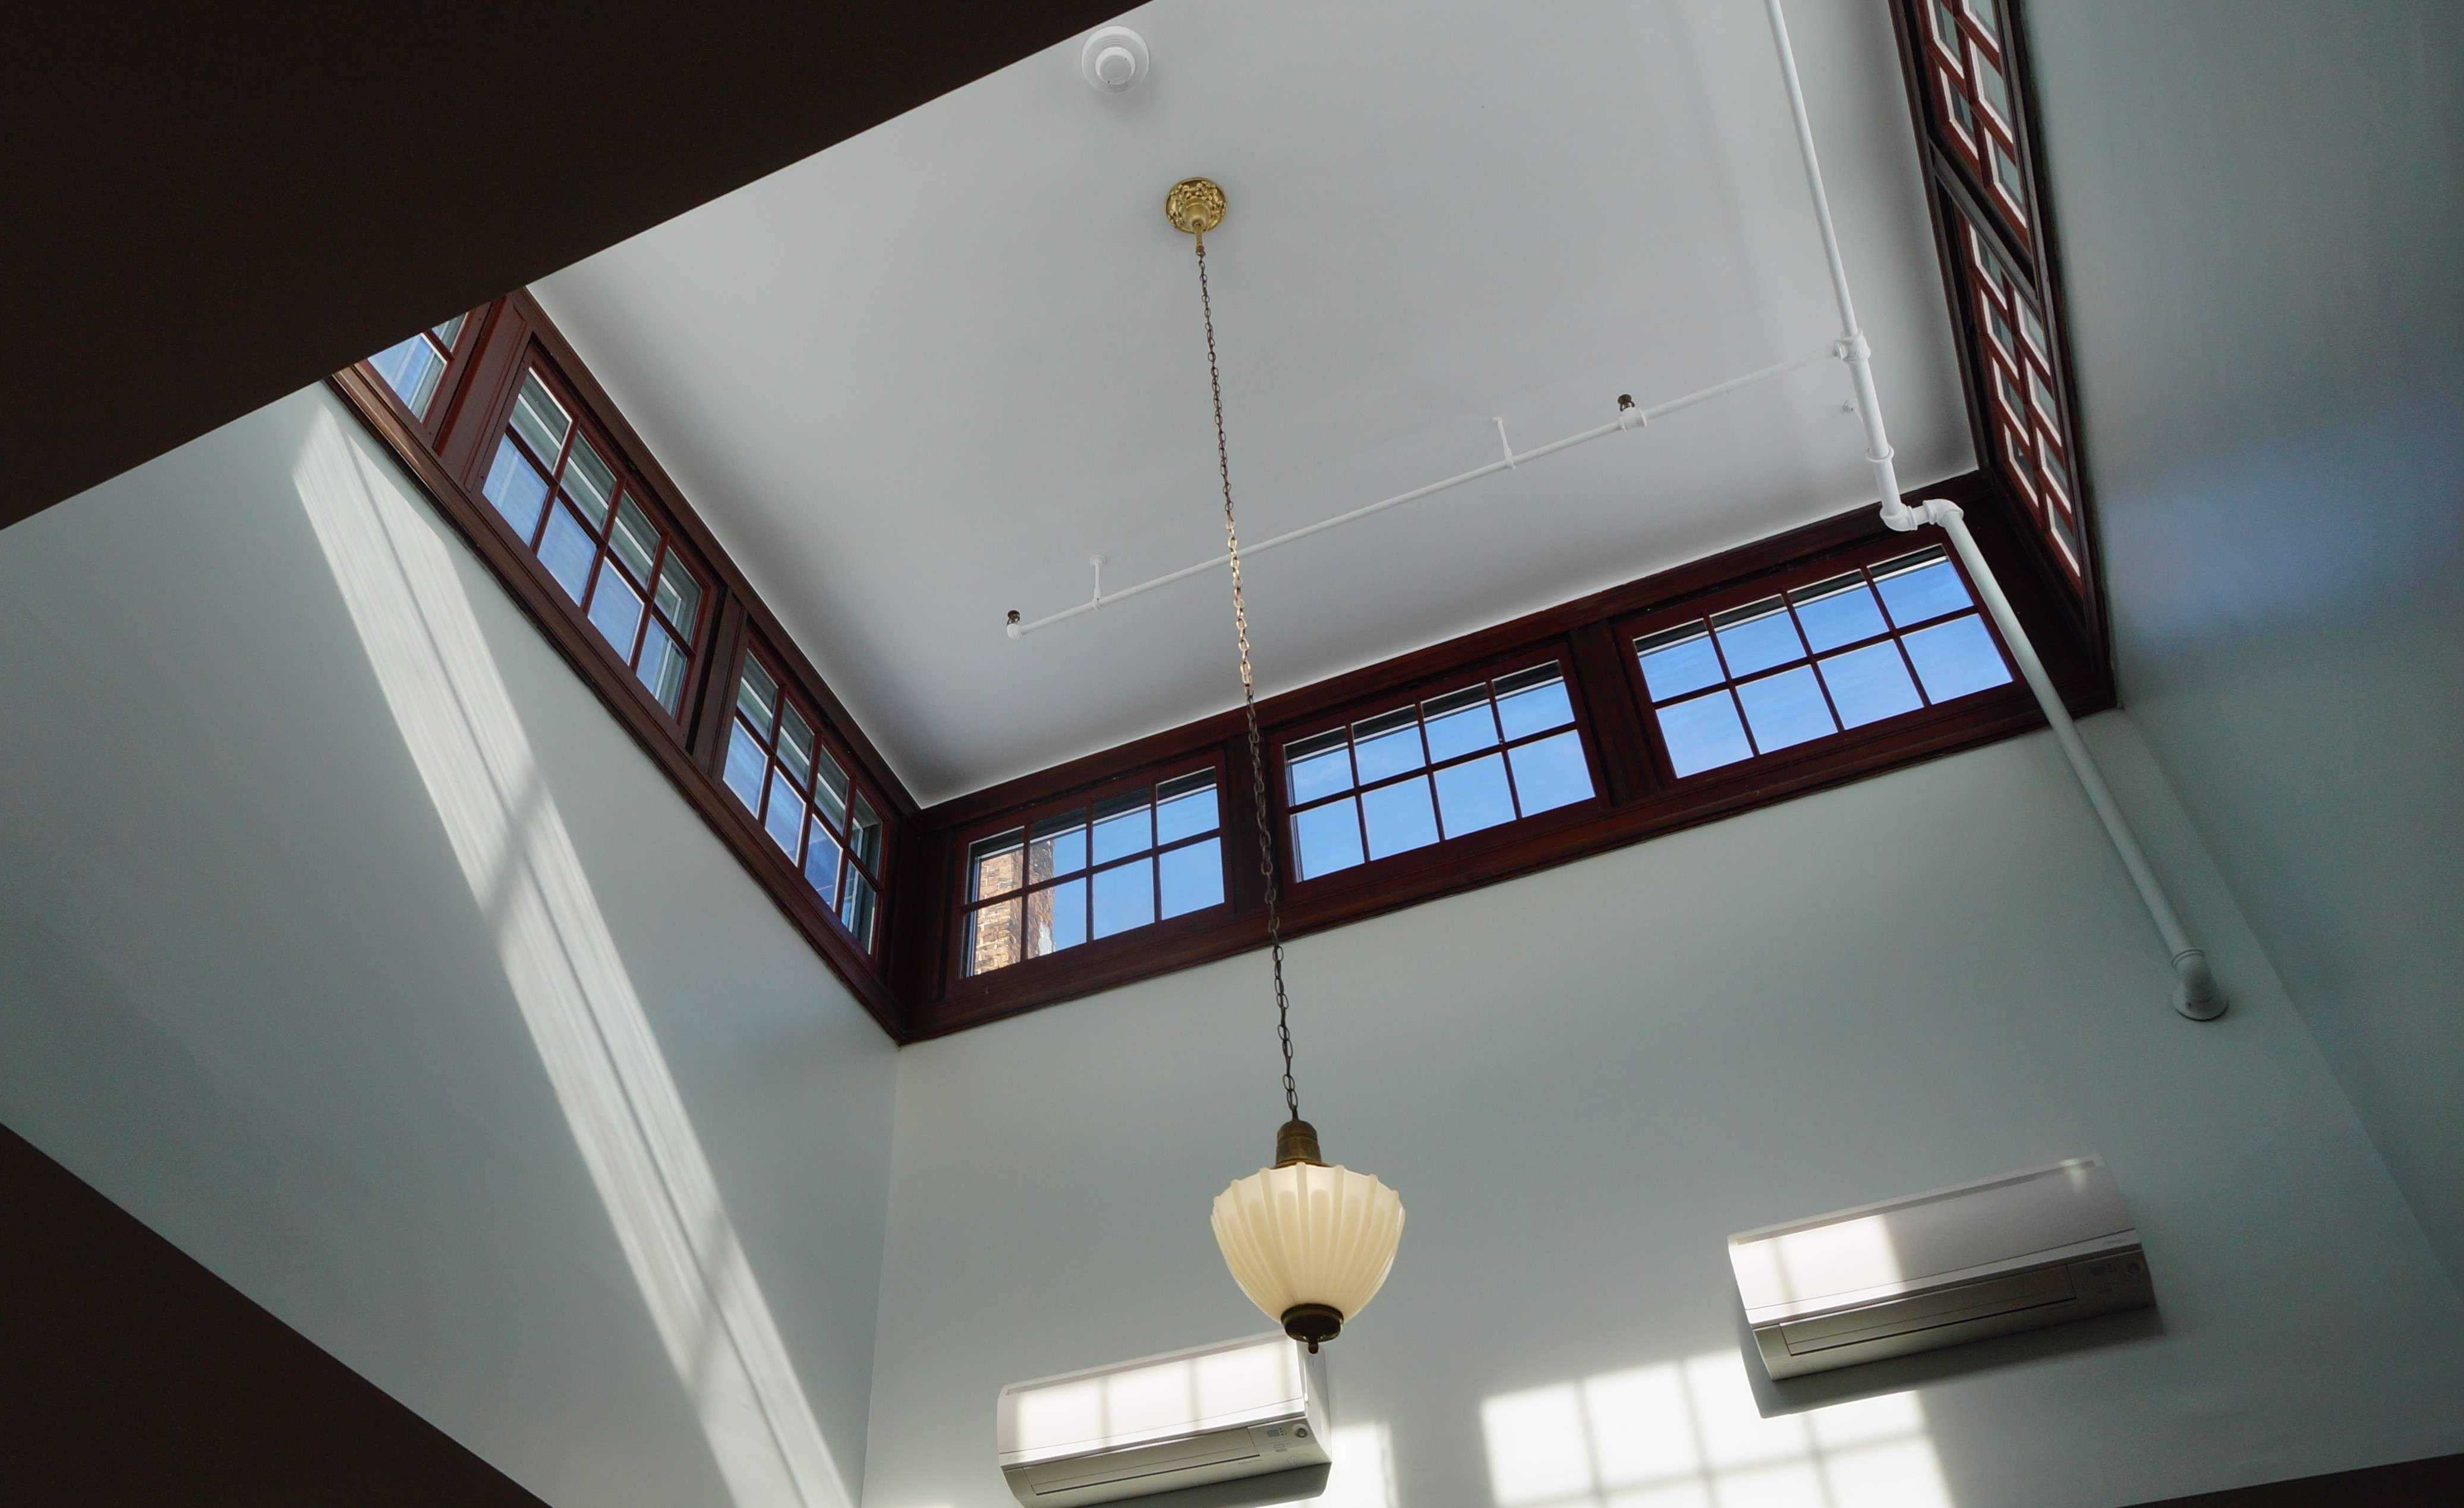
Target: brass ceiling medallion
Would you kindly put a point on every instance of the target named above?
(1195, 206)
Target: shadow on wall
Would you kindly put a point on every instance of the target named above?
(629, 1121)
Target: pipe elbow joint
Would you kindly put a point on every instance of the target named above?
(1902, 515)
(2195, 986)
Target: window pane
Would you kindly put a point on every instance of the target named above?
(829, 787)
(1124, 897)
(757, 696)
(1056, 918)
(1191, 877)
(855, 909)
(1124, 824)
(679, 595)
(1400, 816)
(1327, 839)
(1786, 709)
(2006, 172)
(1387, 745)
(1963, 113)
(635, 541)
(744, 765)
(2052, 465)
(821, 863)
(783, 818)
(588, 481)
(863, 835)
(1996, 325)
(1756, 637)
(1549, 773)
(1987, 16)
(1955, 658)
(1869, 685)
(2033, 328)
(993, 936)
(1920, 586)
(615, 610)
(1703, 733)
(796, 746)
(1676, 660)
(1187, 807)
(1836, 612)
(993, 864)
(1319, 766)
(866, 836)
(516, 489)
(1059, 846)
(1474, 795)
(1458, 723)
(2063, 532)
(1991, 85)
(412, 369)
(541, 419)
(1945, 27)
(1532, 701)
(568, 550)
(663, 666)
(450, 331)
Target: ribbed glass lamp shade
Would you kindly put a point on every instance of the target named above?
(1309, 1244)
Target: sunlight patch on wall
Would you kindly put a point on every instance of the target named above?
(458, 722)
(1688, 1434)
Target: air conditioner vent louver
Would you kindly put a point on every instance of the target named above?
(2033, 1249)
(1211, 1413)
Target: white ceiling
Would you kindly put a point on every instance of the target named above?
(915, 380)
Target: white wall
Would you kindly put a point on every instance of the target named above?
(1582, 1080)
(2262, 209)
(347, 942)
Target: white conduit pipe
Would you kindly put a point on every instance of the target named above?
(1626, 419)
(2194, 985)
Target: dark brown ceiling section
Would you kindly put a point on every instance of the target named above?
(215, 207)
(131, 1375)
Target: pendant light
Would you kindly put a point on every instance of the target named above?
(1309, 1243)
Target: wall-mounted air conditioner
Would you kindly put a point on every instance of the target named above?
(1211, 1413)
(1959, 1264)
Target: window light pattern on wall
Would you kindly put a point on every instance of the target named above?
(780, 767)
(1424, 772)
(557, 493)
(2024, 417)
(1095, 871)
(1689, 1434)
(1965, 57)
(414, 367)
(1858, 648)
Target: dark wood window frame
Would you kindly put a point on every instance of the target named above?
(1823, 748)
(430, 420)
(1633, 798)
(1374, 873)
(1093, 953)
(824, 746)
(1966, 196)
(584, 432)
(449, 452)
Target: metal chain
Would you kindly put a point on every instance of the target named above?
(1250, 700)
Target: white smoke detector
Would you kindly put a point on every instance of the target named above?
(1114, 59)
